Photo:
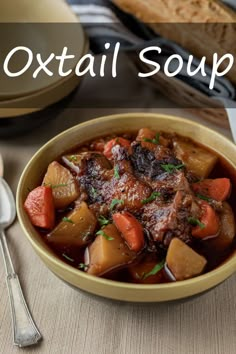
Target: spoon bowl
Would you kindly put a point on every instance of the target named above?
(1, 166)
(7, 205)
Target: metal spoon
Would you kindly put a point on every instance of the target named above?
(1, 166)
(25, 332)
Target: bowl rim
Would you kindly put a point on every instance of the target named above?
(228, 266)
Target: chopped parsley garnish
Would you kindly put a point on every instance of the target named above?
(102, 233)
(116, 172)
(94, 192)
(53, 186)
(169, 167)
(154, 270)
(196, 222)
(59, 185)
(103, 221)
(203, 197)
(151, 198)
(65, 219)
(72, 158)
(153, 141)
(67, 257)
(83, 266)
(115, 202)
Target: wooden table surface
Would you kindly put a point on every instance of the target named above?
(78, 323)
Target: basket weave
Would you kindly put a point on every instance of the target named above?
(185, 96)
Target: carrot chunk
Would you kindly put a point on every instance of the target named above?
(111, 143)
(39, 205)
(147, 137)
(218, 189)
(227, 231)
(209, 223)
(131, 230)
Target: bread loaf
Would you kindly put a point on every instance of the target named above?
(203, 27)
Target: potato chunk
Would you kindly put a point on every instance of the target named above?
(227, 232)
(183, 261)
(107, 254)
(197, 159)
(76, 229)
(64, 187)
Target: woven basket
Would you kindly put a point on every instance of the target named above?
(184, 95)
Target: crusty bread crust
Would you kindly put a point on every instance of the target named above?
(207, 36)
(178, 10)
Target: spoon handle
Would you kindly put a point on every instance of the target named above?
(25, 331)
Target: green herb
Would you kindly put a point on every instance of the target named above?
(169, 167)
(203, 197)
(72, 158)
(151, 198)
(53, 186)
(196, 222)
(83, 266)
(153, 141)
(67, 257)
(103, 221)
(154, 270)
(102, 233)
(115, 202)
(65, 219)
(116, 172)
(94, 192)
(59, 185)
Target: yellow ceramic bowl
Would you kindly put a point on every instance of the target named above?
(32, 177)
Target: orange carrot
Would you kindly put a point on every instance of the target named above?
(218, 189)
(209, 223)
(39, 205)
(111, 143)
(147, 137)
(131, 230)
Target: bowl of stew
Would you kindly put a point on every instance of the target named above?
(134, 207)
